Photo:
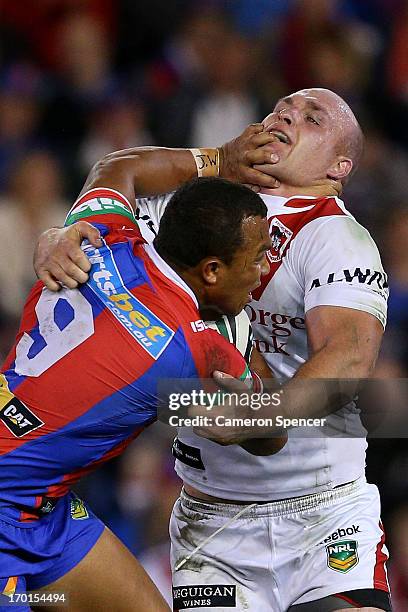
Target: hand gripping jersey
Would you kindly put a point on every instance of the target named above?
(81, 380)
(320, 256)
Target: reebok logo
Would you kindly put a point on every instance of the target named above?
(341, 533)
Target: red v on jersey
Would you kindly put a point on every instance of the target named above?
(285, 226)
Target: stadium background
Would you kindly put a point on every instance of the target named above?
(81, 78)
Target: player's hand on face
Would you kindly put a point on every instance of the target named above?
(248, 159)
(59, 259)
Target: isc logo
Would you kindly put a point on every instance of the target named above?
(198, 326)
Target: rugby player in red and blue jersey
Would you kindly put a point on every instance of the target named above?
(80, 383)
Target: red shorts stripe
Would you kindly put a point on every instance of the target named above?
(348, 599)
(380, 574)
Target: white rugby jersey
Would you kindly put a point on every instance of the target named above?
(320, 256)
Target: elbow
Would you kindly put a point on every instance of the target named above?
(361, 365)
(116, 171)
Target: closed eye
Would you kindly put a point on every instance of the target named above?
(260, 259)
(312, 119)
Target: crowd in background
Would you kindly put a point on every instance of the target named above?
(82, 78)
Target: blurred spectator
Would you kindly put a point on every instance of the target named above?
(399, 563)
(335, 63)
(31, 26)
(215, 66)
(379, 184)
(395, 257)
(83, 55)
(255, 17)
(156, 555)
(177, 81)
(396, 76)
(83, 81)
(228, 104)
(33, 202)
(320, 44)
(398, 55)
(21, 86)
(145, 488)
(144, 27)
(307, 21)
(81, 78)
(114, 126)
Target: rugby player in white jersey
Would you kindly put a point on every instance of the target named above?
(298, 530)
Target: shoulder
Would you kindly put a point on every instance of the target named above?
(292, 219)
(213, 351)
(101, 205)
(330, 226)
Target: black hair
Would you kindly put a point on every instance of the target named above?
(204, 219)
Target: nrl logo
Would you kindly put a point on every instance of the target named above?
(342, 556)
(78, 510)
(280, 235)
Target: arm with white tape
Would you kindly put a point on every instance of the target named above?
(150, 171)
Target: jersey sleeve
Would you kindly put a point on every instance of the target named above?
(102, 206)
(209, 351)
(148, 213)
(340, 265)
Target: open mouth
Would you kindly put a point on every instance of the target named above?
(281, 136)
(250, 298)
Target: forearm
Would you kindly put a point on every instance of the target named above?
(143, 171)
(344, 345)
(326, 382)
(146, 171)
(337, 361)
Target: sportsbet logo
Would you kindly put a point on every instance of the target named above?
(105, 280)
(342, 557)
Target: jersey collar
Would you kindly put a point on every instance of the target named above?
(280, 201)
(165, 269)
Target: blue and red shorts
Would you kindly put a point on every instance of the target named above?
(37, 553)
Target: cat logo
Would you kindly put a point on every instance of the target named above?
(14, 414)
(78, 510)
(342, 556)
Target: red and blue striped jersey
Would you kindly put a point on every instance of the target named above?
(81, 380)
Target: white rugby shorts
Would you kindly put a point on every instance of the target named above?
(278, 554)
